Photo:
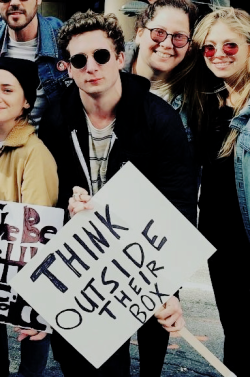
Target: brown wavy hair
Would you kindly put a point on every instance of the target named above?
(80, 23)
(179, 79)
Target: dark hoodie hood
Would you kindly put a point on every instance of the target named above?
(134, 89)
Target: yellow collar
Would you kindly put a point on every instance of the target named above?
(19, 135)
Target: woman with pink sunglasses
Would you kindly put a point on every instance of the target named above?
(161, 52)
(223, 87)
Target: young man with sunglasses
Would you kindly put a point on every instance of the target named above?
(26, 34)
(104, 119)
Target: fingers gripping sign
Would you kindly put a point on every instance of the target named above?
(170, 315)
(79, 201)
(32, 334)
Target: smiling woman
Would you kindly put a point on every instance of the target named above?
(161, 51)
(223, 87)
(28, 174)
(225, 51)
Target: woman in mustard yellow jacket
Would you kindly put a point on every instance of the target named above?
(28, 174)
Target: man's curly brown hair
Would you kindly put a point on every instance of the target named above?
(80, 23)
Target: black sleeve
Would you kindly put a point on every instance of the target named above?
(50, 126)
(51, 132)
(175, 168)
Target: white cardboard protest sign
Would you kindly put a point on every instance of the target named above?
(109, 269)
(24, 230)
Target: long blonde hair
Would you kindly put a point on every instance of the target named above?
(239, 21)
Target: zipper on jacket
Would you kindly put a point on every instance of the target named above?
(82, 160)
(113, 139)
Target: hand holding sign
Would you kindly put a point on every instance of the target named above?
(32, 334)
(170, 315)
(79, 201)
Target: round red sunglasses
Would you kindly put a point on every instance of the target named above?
(229, 48)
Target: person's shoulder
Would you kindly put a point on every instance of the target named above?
(2, 24)
(35, 147)
(131, 51)
(161, 115)
(54, 117)
(68, 95)
(134, 84)
(160, 104)
(33, 142)
(131, 48)
(136, 93)
(51, 119)
(54, 22)
(243, 124)
(29, 143)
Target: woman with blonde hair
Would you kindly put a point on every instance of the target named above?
(223, 83)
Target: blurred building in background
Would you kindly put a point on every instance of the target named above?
(125, 10)
(64, 9)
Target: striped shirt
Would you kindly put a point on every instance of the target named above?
(99, 148)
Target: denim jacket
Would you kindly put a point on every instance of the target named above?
(52, 80)
(242, 163)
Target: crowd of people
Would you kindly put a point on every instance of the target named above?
(65, 91)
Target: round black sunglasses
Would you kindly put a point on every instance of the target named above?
(79, 61)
